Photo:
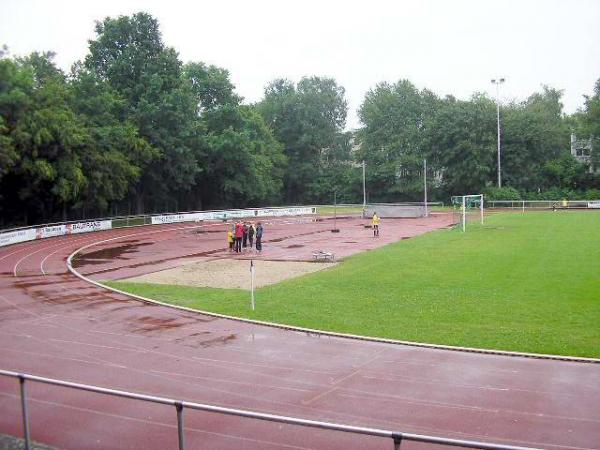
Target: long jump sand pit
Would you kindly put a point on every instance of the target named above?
(230, 273)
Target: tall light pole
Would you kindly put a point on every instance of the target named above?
(364, 187)
(425, 186)
(498, 82)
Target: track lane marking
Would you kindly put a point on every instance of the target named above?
(153, 422)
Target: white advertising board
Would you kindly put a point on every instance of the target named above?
(168, 218)
(232, 214)
(86, 227)
(594, 204)
(53, 230)
(280, 212)
(14, 237)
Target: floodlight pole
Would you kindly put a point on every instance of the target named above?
(498, 83)
(335, 228)
(364, 187)
(425, 186)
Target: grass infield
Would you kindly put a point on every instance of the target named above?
(522, 282)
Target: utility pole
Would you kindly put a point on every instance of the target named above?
(364, 187)
(498, 83)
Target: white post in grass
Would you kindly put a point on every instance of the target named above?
(464, 214)
(425, 185)
(252, 270)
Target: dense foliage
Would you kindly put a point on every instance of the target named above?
(132, 129)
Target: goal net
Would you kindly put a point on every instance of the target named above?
(468, 208)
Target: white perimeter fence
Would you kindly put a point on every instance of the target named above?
(24, 234)
(543, 204)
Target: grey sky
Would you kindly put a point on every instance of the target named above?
(450, 47)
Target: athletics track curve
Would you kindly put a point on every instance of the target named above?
(55, 325)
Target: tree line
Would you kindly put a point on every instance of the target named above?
(132, 129)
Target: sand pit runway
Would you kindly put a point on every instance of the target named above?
(231, 273)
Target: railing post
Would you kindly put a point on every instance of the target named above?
(179, 408)
(25, 413)
(397, 440)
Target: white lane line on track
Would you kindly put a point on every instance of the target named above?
(155, 423)
(335, 385)
(23, 247)
(349, 392)
(400, 378)
(131, 349)
(534, 444)
(393, 399)
(286, 403)
(19, 307)
(63, 243)
(445, 364)
(221, 380)
(94, 361)
(46, 257)
(266, 366)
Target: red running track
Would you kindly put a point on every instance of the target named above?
(55, 325)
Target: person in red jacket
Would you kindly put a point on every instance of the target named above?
(239, 234)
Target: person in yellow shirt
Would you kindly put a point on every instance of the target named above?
(376, 221)
(230, 239)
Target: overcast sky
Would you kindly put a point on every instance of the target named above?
(450, 47)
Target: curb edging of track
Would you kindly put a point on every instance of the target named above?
(579, 359)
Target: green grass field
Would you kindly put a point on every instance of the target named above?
(523, 282)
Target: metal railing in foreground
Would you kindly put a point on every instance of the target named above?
(396, 436)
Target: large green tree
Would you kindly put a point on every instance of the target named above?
(43, 139)
(241, 163)
(589, 124)
(129, 54)
(115, 155)
(461, 145)
(396, 119)
(534, 132)
(307, 119)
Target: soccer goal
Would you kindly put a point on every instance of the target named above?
(469, 208)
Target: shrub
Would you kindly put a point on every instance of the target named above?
(503, 193)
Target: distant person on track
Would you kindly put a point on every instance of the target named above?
(239, 234)
(251, 233)
(259, 235)
(230, 239)
(376, 221)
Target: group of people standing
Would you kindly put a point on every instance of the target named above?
(242, 235)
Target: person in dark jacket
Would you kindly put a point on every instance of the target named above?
(259, 235)
(251, 233)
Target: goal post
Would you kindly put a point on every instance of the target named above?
(468, 204)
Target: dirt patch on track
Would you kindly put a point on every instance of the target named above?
(230, 273)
